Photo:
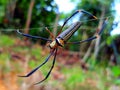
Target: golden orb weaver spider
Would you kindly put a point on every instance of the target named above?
(62, 39)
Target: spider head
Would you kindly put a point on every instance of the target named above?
(53, 44)
(57, 42)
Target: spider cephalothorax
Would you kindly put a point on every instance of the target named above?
(57, 42)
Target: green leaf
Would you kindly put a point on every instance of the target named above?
(116, 71)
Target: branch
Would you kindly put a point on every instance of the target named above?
(29, 17)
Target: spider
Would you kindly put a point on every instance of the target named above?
(62, 39)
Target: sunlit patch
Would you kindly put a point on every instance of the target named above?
(116, 30)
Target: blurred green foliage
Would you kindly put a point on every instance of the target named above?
(6, 41)
(115, 71)
(43, 14)
(97, 78)
(14, 14)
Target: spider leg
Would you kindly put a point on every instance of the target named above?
(103, 26)
(30, 73)
(49, 70)
(78, 11)
(87, 40)
(88, 13)
(30, 36)
(51, 34)
(94, 37)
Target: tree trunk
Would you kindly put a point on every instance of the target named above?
(56, 25)
(29, 18)
(89, 51)
(83, 45)
(10, 10)
(96, 50)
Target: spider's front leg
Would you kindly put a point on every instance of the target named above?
(31, 36)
